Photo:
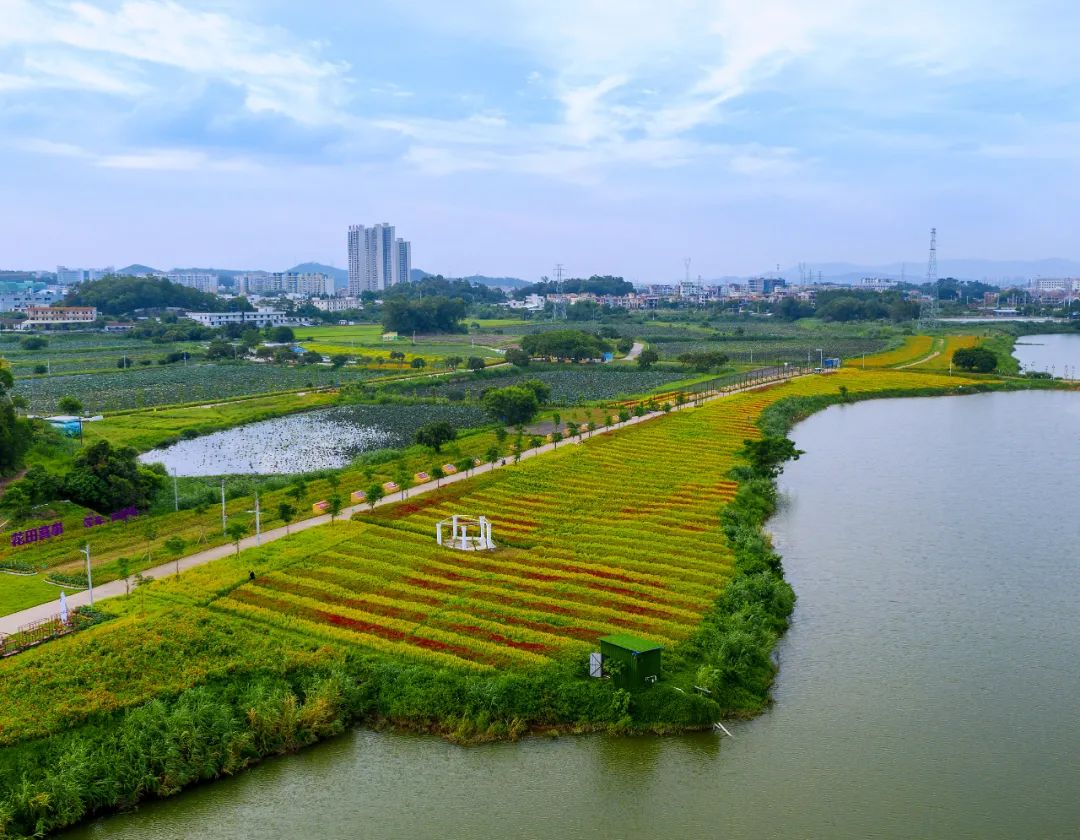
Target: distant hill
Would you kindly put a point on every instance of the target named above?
(496, 282)
(340, 275)
(999, 272)
(137, 270)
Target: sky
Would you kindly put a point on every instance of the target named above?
(504, 137)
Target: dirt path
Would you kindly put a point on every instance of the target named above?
(925, 359)
(12, 622)
(635, 351)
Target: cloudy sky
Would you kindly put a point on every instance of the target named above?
(502, 137)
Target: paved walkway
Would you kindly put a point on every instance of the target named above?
(12, 622)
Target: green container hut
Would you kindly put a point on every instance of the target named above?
(638, 660)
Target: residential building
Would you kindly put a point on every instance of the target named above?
(21, 301)
(58, 316)
(764, 285)
(404, 260)
(194, 280)
(337, 304)
(377, 259)
(288, 282)
(261, 317)
(875, 284)
(70, 276)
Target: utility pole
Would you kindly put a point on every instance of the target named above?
(258, 520)
(89, 579)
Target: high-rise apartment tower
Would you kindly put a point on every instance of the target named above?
(377, 259)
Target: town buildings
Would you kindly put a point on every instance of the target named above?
(311, 284)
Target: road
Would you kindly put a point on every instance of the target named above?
(635, 351)
(12, 622)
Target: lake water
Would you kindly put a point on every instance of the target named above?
(313, 440)
(1057, 353)
(928, 688)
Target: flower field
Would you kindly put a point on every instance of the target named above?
(915, 347)
(949, 345)
(617, 534)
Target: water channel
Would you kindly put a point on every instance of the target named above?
(928, 685)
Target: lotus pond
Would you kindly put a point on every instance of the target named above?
(314, 440)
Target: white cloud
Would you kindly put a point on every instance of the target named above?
(94, 48)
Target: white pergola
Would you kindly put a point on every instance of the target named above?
(467, 533)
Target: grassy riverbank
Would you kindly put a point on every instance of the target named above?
(643, 531)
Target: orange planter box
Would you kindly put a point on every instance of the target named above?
(391, 487)
(449, 469)
(320, 507)
(421, 477)
(357, 495)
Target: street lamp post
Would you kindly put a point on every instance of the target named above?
(89, 579)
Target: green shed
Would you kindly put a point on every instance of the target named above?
(638, 660)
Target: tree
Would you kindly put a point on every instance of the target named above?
(151, 533)
(334, 480)
(705, 360)
(17, 499)
(70, 405)
(236, 532)
(475, 363)
(647, 358)
(767, 455)
(518, 358)
(106, 479)
(417, 363)
(373, 495)
(339, 360)
(334, 505)
(564, 345)
(175, 545)
(437, 473)
(977, 359)
(286, 513)
(15, 432)
(123, 568)
(297, 490)
(33, 342)
(310, 357)
(282, 335)
(435, 314)
(435, 434)
(512, 405)
(492, 454)
(453, 362)
(465, 465)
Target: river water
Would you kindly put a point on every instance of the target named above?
(1056, 353)
(929, 684)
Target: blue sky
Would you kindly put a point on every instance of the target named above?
(504, 137)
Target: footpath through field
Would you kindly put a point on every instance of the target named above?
(12, 622)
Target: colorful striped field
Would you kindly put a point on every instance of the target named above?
(619, 533)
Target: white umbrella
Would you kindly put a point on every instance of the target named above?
(63, 607)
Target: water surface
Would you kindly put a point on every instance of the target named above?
(1056, 353)
(928, 685)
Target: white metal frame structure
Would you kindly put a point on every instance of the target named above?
(467, 533)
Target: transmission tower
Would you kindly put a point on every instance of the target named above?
(928, 312)
(559, 309)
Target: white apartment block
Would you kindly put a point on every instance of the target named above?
(70, 276)
(194, 280)
(261, 317)
(377, 259)
(21, 301)
(285, 282)
(337, 304)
